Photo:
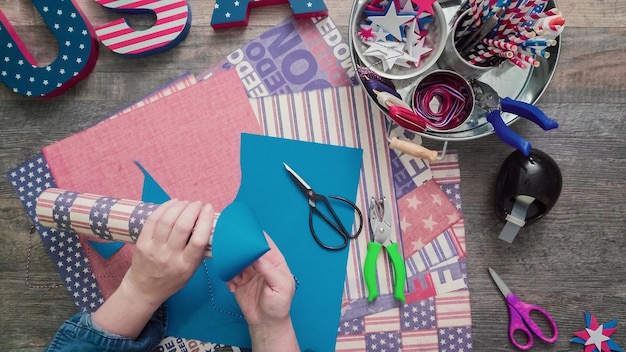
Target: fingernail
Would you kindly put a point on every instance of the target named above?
(208, 208)
(231, 287)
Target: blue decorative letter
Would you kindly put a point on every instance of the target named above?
(78, 52)
(234, 13)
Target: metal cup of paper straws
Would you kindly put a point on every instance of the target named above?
(490, 33)
(502, 74)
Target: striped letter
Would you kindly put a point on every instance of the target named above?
(78, 52)
(173, 19)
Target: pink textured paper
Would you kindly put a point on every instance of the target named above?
(188, 141)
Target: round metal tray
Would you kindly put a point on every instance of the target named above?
(508, 80)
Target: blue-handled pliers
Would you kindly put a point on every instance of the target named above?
(488, 99)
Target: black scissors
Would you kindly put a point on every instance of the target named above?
(335, 223)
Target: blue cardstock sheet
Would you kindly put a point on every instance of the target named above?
(205, 310)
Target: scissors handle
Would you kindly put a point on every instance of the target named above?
(520, 319)
(335, 223)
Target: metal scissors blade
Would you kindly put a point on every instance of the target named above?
(304, 187)
(501, 285)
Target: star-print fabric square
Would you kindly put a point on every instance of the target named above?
(424, 214)
(383, 341)
(418, 315)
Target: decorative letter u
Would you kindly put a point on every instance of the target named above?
(78, 52)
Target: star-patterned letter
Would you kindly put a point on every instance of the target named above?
(78, 52)
(234, 13)
(173, 20)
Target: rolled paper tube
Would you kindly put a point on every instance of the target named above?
(93, 215)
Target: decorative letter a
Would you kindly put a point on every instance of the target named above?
(234, 13)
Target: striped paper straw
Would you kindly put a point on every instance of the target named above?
(540, 42)
(501, 44)
(514, 18)
(93, 215)
(473, 20)
(533, 51)
(537, 16)
(506, 54)
(482, 56)
(528, 59)
(519, 63)
(521, 37)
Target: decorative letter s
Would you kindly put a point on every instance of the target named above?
(171, 27)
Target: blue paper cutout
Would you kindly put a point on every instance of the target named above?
(173, 21)
(152, 191)
(106, 249)
(231, 257)
(206, 311)
(234, 13)
(78, 52)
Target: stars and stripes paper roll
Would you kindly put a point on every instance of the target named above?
(108, 218)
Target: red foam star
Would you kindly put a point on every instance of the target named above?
(366, 33)
(424, 6)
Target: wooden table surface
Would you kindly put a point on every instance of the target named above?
(570, 262)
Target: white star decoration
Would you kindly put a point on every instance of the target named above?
(391, 21)
(418, 50)
(596, 337)
(390, 53)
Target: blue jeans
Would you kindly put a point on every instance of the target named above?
(79, 333)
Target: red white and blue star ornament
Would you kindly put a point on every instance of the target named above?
(394, 33)
(77, 55)
(597, 337)
(391, 20)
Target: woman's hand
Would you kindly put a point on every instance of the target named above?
(169, 250)
(264, 292)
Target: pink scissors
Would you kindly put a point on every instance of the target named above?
(519, 317)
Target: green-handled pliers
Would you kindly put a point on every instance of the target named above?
(380, 228)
